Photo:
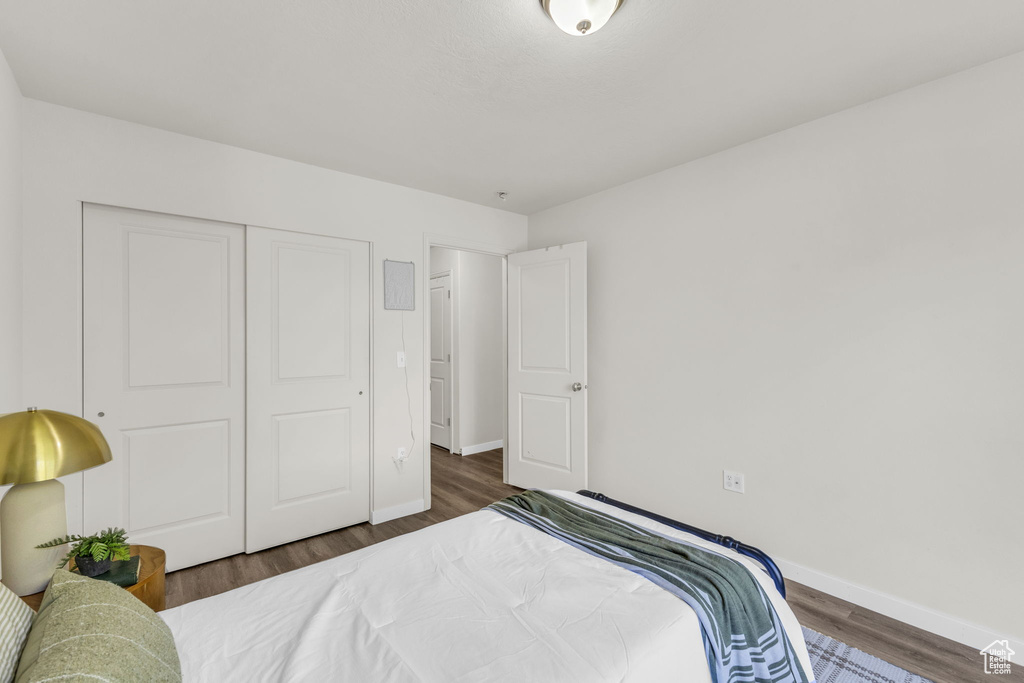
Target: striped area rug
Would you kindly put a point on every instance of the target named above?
(836, 662)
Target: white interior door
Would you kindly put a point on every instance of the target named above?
(308, 422)
(547, 368)
(164, 345)
(441, 361)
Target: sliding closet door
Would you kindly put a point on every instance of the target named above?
(308, 319)
(164, 379)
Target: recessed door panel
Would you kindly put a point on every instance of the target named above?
(311, 305)
(164, 343)
(545, 431)
(544, 316)
(437, 391)
(437, 320)
(201, 454)
(313, 454)
(178, 309)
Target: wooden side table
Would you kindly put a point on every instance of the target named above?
(149, 589)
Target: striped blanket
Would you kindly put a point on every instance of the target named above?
(743, 637)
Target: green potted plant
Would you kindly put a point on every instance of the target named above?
(93, 554)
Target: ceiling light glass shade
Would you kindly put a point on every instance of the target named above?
(580, 17)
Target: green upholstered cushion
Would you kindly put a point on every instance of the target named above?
(15, 620)
(92, 630)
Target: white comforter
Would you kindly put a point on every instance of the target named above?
(477, 598)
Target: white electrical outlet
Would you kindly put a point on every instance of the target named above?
(401, 359)
(733, 481)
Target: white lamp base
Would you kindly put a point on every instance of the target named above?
(31, 514)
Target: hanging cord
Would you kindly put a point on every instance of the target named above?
(399, 461)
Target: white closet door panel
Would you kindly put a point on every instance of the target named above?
(164, 360)
(308, 424)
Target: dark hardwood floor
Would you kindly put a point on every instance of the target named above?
(463, 484)
(920, 652)
(460, 485)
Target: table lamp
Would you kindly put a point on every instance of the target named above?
(36, 447)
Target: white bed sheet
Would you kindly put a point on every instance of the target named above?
(477, 598)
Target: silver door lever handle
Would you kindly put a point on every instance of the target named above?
(577, 386)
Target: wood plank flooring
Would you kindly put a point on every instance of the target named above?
(463, 484)
(917, 651)
(460, 485)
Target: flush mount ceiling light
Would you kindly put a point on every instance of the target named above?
(580, 17)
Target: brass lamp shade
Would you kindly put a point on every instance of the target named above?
(38, 445)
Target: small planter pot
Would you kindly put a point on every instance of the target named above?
(90, 567)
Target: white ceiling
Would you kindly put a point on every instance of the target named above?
(466, 97)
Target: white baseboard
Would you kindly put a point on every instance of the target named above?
(911, 613)
(396, 511)
(482, 447)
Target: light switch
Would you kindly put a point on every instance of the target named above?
(401, 359)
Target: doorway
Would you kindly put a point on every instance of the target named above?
(467, 359)
(543, 376)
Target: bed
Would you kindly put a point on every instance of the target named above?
(478, 598)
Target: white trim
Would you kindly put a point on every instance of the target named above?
(370, 386)
(939, 623)
(482, 447)
(396, 511)
(504, 369)
(454, 405)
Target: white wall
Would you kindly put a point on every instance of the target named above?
(442, 260)
(481, 346)
(478, 345)
(836, 311)
(10, 241)
(71, 157)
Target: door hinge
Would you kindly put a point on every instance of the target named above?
(449, 422)
(449, 294)
(449, 358)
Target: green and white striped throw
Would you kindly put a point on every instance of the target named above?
(15, 621)
(744, 640)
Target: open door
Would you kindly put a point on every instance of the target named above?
(441, 361)
(547, 368)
